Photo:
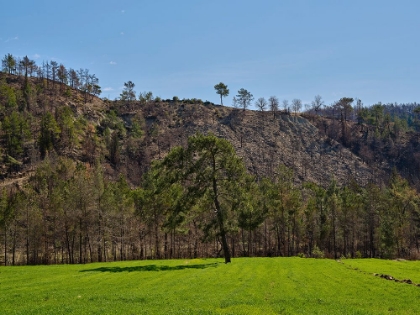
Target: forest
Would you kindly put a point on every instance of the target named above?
(65, 199)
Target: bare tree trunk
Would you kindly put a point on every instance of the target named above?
(157, 251)
(14, 243)
(5, 244)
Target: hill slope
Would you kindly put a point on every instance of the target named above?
(262, 139)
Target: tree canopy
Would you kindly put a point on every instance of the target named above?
(211, 175)
(244, 98)
(128, 93)
(222, 90)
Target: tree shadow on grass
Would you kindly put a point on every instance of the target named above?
(149, 268)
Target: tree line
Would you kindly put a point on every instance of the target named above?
(51, 73)
(199, 201)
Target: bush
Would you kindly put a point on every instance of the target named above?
(317, 253)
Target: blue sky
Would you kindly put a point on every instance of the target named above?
(290, 49)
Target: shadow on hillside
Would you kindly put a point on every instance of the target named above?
(149, 268)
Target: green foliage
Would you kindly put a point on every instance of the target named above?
(317, 253)
(15, 130)
(8, 99)
(137, 126)
(251, 208)
(402, 203)
(9, 63)
(67, 92)
(211, 173)
(112, 121)
(136, 130)
(145, 97)
(244, 98)
(65, 122)
(135, 136)
(158, 99)
(222, 90)
(49, 134)
(128, 94)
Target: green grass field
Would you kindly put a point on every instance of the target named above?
(208, 286)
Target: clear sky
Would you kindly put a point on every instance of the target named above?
(291, 49)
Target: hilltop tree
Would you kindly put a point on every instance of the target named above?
(261, 104)
(273, 103)
(46, 69)
(317, 103)
(377, 111)
(244, 98)
(73, 78)
(54, 68)
(285, 104)
(62, 75)
(296, 105)
(128, 93)
(8, 63)
(222, 90)
(85, 82)
(344, 105)
(145, 97)
(93, 87)
(26, 64)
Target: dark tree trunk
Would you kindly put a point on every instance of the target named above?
(220, 221)
(5, 245)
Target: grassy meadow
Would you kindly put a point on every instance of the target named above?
(208, 286)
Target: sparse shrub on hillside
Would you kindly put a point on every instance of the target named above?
(207, 103)
(112, 121)
(67, 92)
(145, 97)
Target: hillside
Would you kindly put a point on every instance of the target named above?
(262, 139)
